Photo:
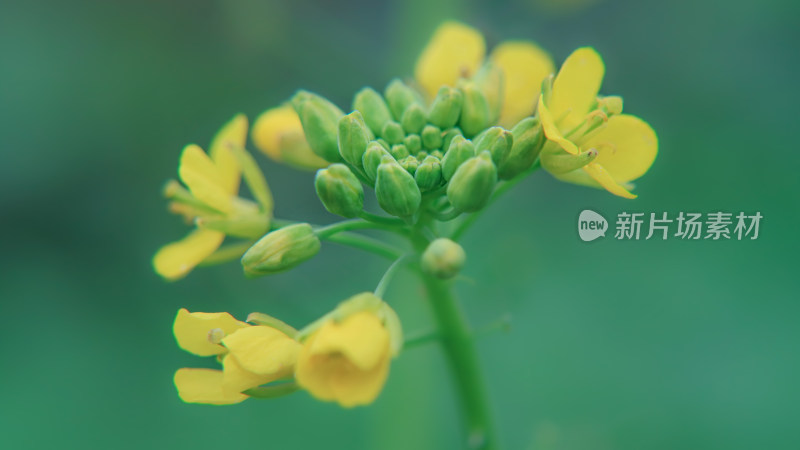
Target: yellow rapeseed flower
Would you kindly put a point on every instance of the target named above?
(346, 361)
(457, 51)
(251, 356)
(621, 149)
(211, 201)
(278, 133)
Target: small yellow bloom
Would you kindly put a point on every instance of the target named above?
(626, 146)
(346, 361)
(251, 356)
(457, 51)
(278, 133)
(211, 201)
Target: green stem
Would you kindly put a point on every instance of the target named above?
(366, 243)
(381, 219)
(459, 346)
(387, 277)
(354, 224)
(420, 338)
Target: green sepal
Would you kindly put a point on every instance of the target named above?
(431, 137)
(396, 190)
(443, 258)
(461, 149)
(255, 179)
(413, 143)
(281, 250)
(393, 132)
(528, 142)
(491, 82)
(429, 173)
(473, 183)
(374, 109)
(399, 96)
(372, 159)
(354, 135)
(320, 120)
(272, 322)
(496, 141)
(339, 190)
(475, 112)
(413, 119)
(446, 107)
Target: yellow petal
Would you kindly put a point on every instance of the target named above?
(191, 330)
(204, 179)
(278, 133)
(237, 379)
(552, 132)
(524, 65)
(204, 386)
(175, 260)
(575, 87)
(361, 338)
(263, 350)
(627, 147)
(454, 51)
(359, 387)
(332, 377)
(599, 174)
(232, 133)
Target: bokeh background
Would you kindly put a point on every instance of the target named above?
(614, 345)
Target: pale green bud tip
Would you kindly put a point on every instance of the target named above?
(353, 138)
(396, 189)
(431, 137)
(399, 97)
(443, 258)
(413, 143)
(375, 111)
(473, 183)
(320, 120)
(461, 149)
(339, 190)
(446, 107)
(399, 151)
(429, 173)
(281, 250)
(372, 159)
(393, 132)
(413, 119)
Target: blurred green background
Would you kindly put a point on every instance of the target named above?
(614, 345)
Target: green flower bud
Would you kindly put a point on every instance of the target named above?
(448, 137)
(443, 258)
(396, 190)
(372, 159)
(421, 155)
(340, 191)
(429, 173)
(413, 119)
(373, 108)
(528, 141)
(475, 112)
(558, 161)
(461, 149)
(393, 132)
(281, 250)
(472, 184)
(496, 141)
(320, 119)
(383, 143)
(399, 96)
(489, 80)
(399, 151)
(413, 143)
(446, 107)
(437, 154)
(410, 163)
(353, 138)
(431, 137)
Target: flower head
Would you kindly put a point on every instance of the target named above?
(590, 142)
(346, 356)
(251, 356)
(209, 200)
(457, 51)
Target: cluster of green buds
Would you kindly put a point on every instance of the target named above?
(444, 156)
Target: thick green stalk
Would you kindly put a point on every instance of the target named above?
(459, 346)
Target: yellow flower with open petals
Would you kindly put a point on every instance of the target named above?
(457, 51)
(621, 149)
(251, 356)
(278, 133)
(346, 361)
(211, 201)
